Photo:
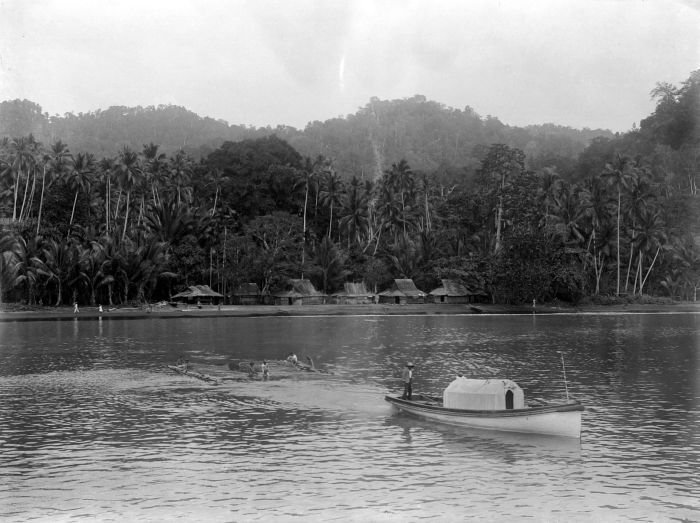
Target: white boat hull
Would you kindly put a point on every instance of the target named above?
(555, 420)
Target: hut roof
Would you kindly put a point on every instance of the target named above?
(298, 289)
(403, 287)
(198, 291)
(247, 289)
(305, 287)
(288, 294)
(353, 289)
(450, 288)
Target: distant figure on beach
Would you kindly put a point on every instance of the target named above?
(75, 308)
(534, 302)
(407, 377)
(99, 308)
(251, 371)
(265, 370)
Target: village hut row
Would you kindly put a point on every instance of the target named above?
(302, 292)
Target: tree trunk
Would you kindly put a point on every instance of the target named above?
(126, 214)
(641, 286)
(330, 222)
(72, 214)
(619, 197)
(108, 197)
(24, 198)
(16, 191)
(59, 298)
(41, 201)
(31, 195)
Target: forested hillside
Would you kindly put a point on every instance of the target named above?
(428, 135)
(402, 189)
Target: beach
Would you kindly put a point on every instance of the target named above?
(13, 312)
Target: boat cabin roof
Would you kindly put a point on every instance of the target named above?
(485, 387)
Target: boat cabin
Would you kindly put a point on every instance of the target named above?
(465, 393)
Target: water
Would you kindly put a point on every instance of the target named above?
(93, 426)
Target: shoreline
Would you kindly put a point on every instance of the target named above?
(252, 311)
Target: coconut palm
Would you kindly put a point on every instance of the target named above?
(170, 221)
(60, 259)
(402, 182)
(331, 190)
(106, 171)
(330, 264)
(29, 264)
(54, 163)
(180, 168)
(80, 177)
(22, 160)
(153, 165)
(569, 211)
(650, 237)
(10, 252)
(355, 219)
(128, 173)
(617, 173)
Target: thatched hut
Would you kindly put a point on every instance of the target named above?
(198, 294)
(451, 291)
(247, 294)
(402, 291)
(299, 292)
(353, 293)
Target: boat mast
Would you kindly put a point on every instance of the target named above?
(563, 368)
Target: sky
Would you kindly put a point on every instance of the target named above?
(588, 63)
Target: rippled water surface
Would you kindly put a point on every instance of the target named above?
(92, 424)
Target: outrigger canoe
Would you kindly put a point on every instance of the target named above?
(187, 372)
(493, 405)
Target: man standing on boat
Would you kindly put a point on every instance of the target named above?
(407, 381)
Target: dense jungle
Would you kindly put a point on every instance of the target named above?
(132, 205)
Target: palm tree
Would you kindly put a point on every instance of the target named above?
(617, 174)
(330, 263)
(170, 221)
(651, 234)
(154, 164)
(549, 189)
(180, 172)
(355, 220)
(29, 264)
(56, 160)
(569, 210)
(639, 192)
(330, 193)
(107, 167)
(10, 252)
(23, 159)
(128, 172)
(80, 177)
(598, 206)
(402, 182)
(59, 259)
(687, 255)
(95, 268)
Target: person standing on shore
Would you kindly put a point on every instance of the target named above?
(407, 377)
(265, 370)
(75, 308)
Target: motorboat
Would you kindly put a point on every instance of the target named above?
(493, 404)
